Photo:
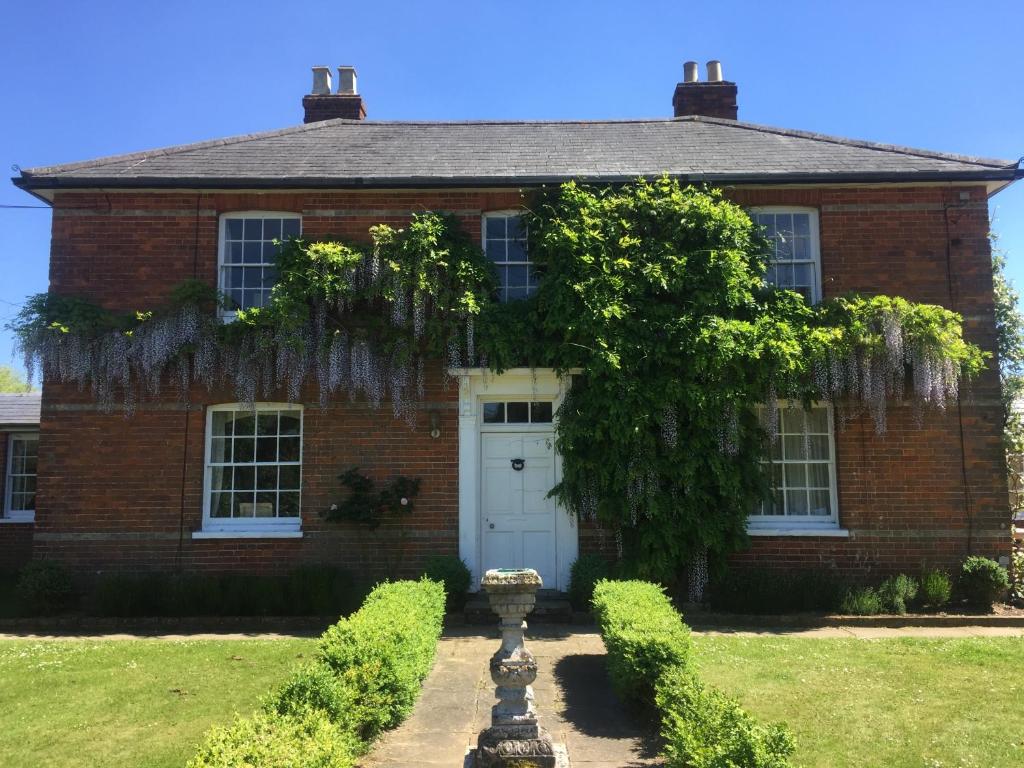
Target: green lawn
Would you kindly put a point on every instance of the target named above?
(894, 703)
(864, 703)
(138, 703)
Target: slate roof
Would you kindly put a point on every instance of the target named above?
(20, 410)
(360, 154)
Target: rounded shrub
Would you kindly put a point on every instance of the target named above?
(861, 601)
(936, 589)
(583, 575)
(896, 592)
(454, 575)
(44, 586)
(982, 582)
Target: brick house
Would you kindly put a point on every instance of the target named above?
(148, 492)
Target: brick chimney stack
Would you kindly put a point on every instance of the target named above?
(321, 104)
(714, 98)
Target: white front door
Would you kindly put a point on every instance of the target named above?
(518, 520)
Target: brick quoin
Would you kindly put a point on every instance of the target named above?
(119, 493)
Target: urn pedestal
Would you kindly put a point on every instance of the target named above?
(514, 739)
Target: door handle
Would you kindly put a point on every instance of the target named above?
(492, 525)
(518, 464)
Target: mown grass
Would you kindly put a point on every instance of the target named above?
(143, 703)
(891, 703)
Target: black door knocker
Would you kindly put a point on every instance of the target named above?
(518, 464)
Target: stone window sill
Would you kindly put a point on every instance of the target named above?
(834, 533)
(246, 534)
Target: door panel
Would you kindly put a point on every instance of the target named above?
(518, 518)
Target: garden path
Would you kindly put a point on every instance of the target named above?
(574, 701)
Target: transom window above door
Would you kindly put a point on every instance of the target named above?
(518, 412)
(248, 256)
(504, 240)
(795, 262)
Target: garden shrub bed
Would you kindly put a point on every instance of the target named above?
(364, 680)
(650, 663)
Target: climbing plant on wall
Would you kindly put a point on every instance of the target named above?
(655, 292)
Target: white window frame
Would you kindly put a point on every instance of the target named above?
(529, 263)
(815, 232)
(250, 527)
(222, 230)
(18, 515)
(806, 525)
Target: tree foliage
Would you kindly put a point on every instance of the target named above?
(12, 381)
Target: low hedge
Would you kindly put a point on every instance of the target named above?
(643, 634)
(268, 740)
(365, 679)
(649, 662)
(704, 728)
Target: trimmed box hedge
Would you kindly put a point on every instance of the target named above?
(650, 662)
(365, 679)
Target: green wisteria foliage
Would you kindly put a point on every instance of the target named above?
(653, 294)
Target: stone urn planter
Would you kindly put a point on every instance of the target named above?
(514, 739)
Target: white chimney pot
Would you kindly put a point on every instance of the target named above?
(347, 81)
(321, 81)
(691, 72)
(714, 71)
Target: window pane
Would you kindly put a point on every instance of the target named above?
(802, 224)
(253, 229)
(245, 478)
(266, 448)
(518, 413)
(289, 450)
(793, 448)
(494, 413)
(496, 250)
(517, 277)
(821, 503)
(516, 230)
(271, 229)
(817, 475)
(817, 420)
(223, 421)
(266, 505)
(289, 424)
(540, 413)
(220, 505)
(290, 228)
(495, 227)
(234, 228)
(245, 450)
(796, 502)
(289, 505)
(818, 448)
(795, 476)
(245, 423)
(266, 478)
(516, 250)
(252, 253)
(220, 478)
(515, 294)
(242, 504)
(266, 423)
(233, 254)
(289, 477)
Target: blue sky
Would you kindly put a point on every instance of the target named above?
(82, 80)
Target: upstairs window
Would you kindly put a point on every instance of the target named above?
(795, 261)
(248, 267)
(20, 485)
(504, 239)
(253, 467)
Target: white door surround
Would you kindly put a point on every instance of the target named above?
(477, 386)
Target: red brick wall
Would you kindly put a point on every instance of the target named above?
(15, 538)
(126, 493)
